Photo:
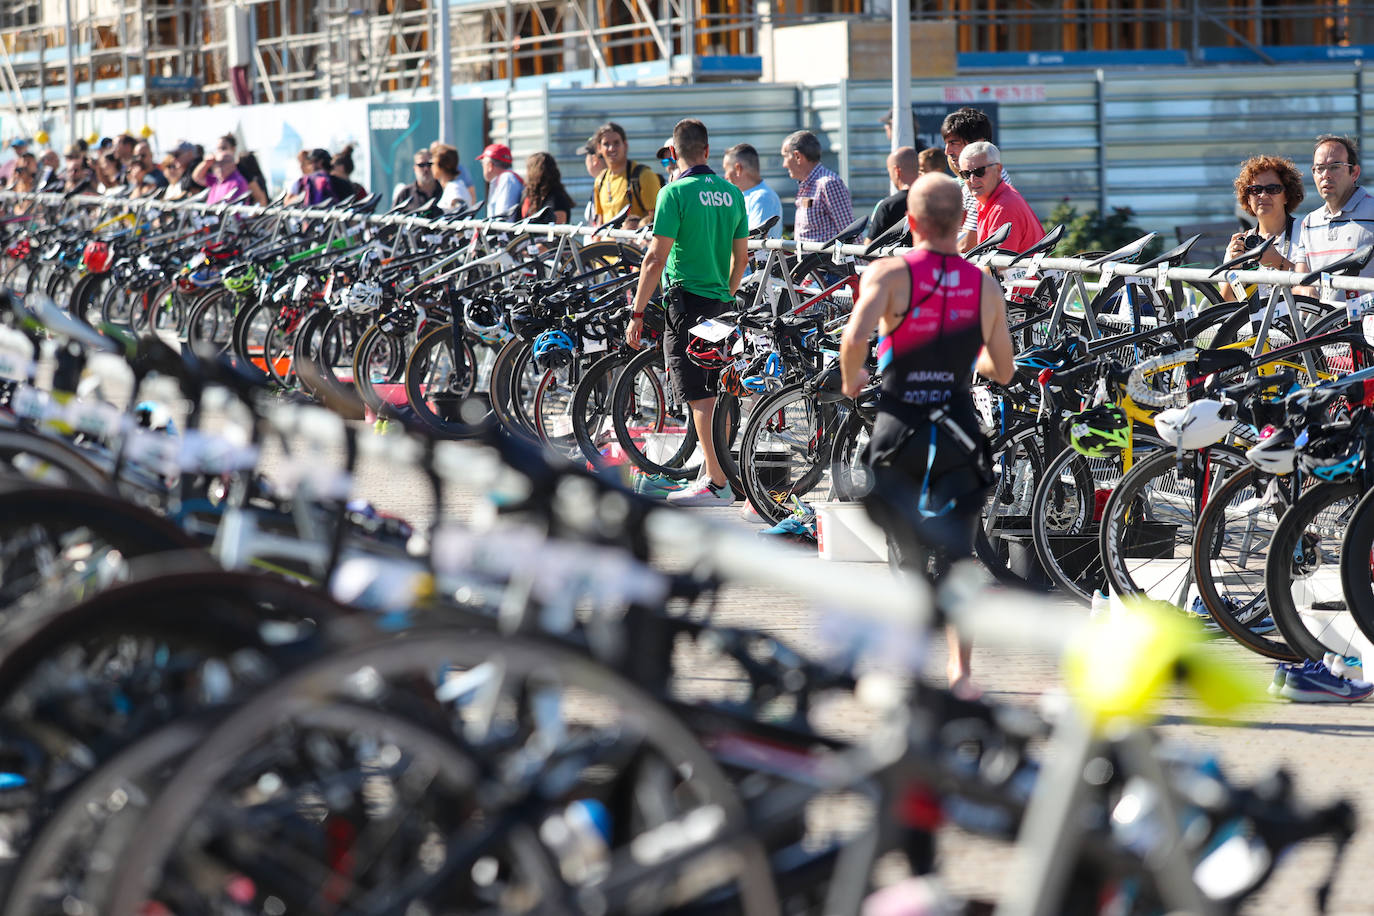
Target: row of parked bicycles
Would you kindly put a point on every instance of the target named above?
(224, 692)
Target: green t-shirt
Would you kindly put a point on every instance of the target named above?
(703, 214)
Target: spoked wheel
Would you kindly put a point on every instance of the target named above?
(1302, 572)
(591, 407)
(655, 430)
(395, 808)
(1066, 514)
(786, 449)
(379, 366)
(1005, 544)
(439, 384)
(1234, 536)
(1148, 524)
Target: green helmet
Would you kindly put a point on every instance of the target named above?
(240, 278)
(1099, 431)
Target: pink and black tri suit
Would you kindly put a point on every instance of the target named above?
(927, 428)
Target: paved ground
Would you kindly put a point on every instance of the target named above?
(1324, 746)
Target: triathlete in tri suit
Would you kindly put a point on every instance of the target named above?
(939, 319)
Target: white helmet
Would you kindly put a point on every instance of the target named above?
(363, 298)
(1198, 425)
(1275, 453)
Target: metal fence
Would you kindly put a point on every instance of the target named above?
(1165, 143)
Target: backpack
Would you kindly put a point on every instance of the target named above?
(636, 169)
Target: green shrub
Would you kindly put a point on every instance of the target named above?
(1091, 231)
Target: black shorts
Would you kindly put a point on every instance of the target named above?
(957, 483)
(685, 311)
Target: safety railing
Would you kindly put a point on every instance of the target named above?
(1161, 274)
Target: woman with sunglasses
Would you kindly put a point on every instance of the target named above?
(1269, 188)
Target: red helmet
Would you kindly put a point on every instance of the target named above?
(713, 354)
(96, 257)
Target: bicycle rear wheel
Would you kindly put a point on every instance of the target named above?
(655, 431)
(1234, 534)
(786, 449)
(1302, 573)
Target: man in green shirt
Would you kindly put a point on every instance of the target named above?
(700, 249)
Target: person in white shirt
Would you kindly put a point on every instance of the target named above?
(741, 168)
(504, 186)
(1346, 223)
(456, 192)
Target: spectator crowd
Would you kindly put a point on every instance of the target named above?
(1268, 190)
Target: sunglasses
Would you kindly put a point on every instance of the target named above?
(1255, 190)
(423, 165)
(667, 162)
(979, 172)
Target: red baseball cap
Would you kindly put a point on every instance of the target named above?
(496, 152)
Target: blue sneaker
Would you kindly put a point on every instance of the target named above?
(1275, 688)
(1314, 683)
(656, 486)
(794, 529)
(1200, 614)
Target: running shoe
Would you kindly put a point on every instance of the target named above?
(703, 493)
(1200, 614)
(1314, 683)
(793, 529)
(1261, 627)
(656, 486)
(1275, 687)
(1346, 666)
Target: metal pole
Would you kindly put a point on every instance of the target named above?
(1101, 143)
(71, 72)
(1359, 101)
(445, 61)
(901, 75)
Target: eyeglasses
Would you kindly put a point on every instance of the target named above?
(1328, 167)
(1255, 190)
(979, 172)
(423, 165)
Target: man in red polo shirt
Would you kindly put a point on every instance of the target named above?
(980, 164)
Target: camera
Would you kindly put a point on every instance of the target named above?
(1252, 241)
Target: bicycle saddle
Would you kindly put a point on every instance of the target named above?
(1209, 361)
(849, 233)
(366, 205)
(543, 215)
(762, 229)
(615, 222)
(1245, 257)
(892, 235)
(1174, 256)
(990, 243)
(1126, 252)
(1046, 244)
(81, 186)
(1349, 266)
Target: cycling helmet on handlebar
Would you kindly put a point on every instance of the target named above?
(713, 354)
(1099, 431)
(553, 350)
(1275, 453)
(1198, 425)
(1335, 455)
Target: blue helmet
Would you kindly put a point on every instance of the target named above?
(553, 350)
(767, 377)
(1335, 456)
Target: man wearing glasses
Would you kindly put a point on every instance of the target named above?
(980, 165)
(423, 189)
(1346, 223)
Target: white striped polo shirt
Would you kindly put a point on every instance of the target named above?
(1325, 238)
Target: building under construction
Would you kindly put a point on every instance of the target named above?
(121, 53)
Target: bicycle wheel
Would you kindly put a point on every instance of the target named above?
(591, 407)
(514, 382)
(210, 322)
(30, 458)
(785, 449)
(1234, 533)
(552, 411)
(1004, 543)
(655, 431)
(613, 746)
(1357, 566)
(1148, 523)
(1302, 573)
(439, 382)
(1066, 513)
(379, 366)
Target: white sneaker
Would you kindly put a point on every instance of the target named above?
(703, 493)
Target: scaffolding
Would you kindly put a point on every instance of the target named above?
(128, 53)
